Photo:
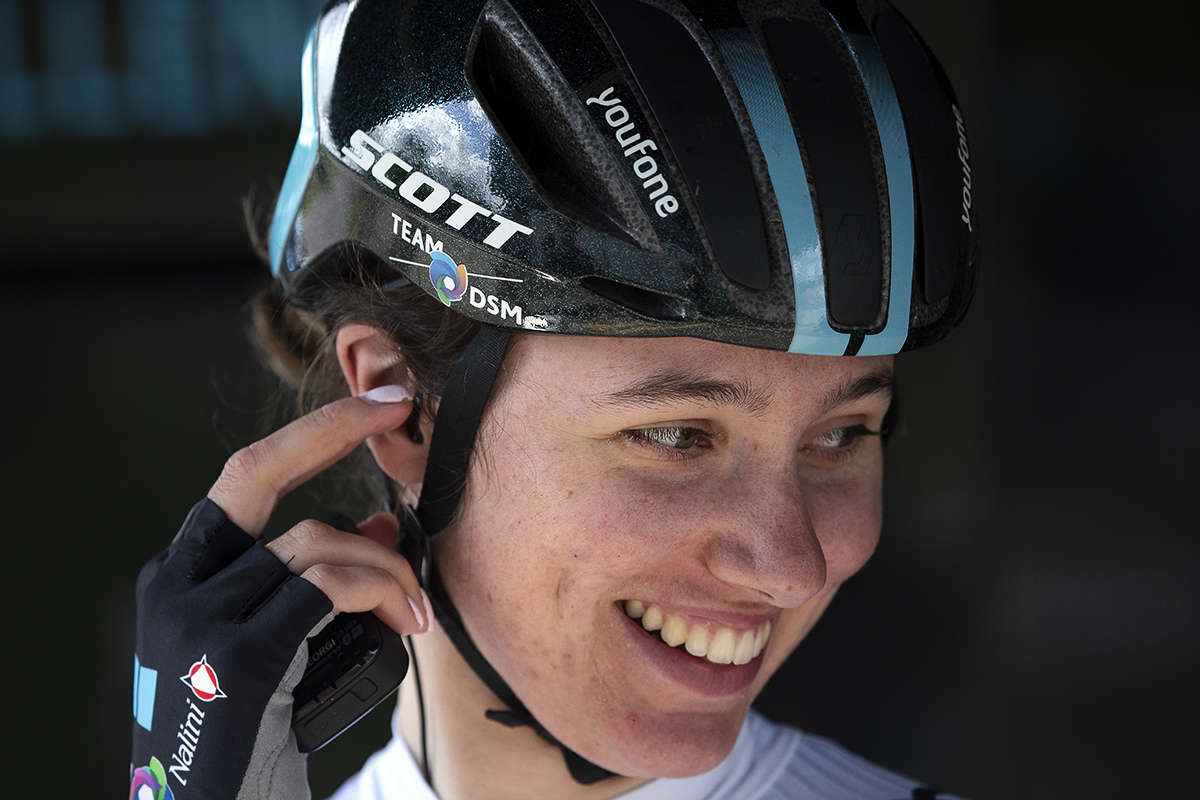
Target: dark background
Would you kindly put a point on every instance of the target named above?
(1029, 627)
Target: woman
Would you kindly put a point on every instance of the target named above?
(624, 378)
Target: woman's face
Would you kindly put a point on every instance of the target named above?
(724, 490)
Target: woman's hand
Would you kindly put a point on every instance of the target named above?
(223, 619)
(357, 573)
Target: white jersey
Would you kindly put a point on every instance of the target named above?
(768, 762)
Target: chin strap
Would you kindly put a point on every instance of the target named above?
(458, 418)
(582, 770)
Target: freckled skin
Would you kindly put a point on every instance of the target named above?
(566, 518)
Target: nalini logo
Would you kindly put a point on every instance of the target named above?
(449, 279)
(202, 680)
(150, 783)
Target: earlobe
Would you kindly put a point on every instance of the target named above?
(369, 360)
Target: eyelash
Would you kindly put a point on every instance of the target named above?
(847, 437)
(653, 438)
(665, 441)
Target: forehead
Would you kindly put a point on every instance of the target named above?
(603, 371)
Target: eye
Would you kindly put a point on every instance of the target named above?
(839, 442)
(671, 441)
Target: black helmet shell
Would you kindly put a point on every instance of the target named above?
(784, 175)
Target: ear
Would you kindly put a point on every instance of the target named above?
(369, 360)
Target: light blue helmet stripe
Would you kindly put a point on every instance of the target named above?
(901, 200)
(304, 158)
(756, 82)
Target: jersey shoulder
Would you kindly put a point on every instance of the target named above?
(810, 767)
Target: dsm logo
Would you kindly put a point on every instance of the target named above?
(449, 279)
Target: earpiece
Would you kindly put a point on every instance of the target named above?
(412, 425)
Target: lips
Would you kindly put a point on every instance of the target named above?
(711, 659)
(719, 645)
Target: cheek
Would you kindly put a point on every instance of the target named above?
(847, 513)
(535, 541)
(847, 520)
(848, 523)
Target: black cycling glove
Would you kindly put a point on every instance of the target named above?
(221, 629)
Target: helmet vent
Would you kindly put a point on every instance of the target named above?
(548, 131)
(646, 302)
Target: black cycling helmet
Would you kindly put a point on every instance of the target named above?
(785, 175)
(791, 175)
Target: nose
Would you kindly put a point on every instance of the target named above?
(764, 540)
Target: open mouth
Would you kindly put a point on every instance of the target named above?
(723, 645)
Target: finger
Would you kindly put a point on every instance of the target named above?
(382, 528)
(256, 477)
(364, 588)
(311, 543)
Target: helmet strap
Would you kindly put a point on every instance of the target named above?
(459, 414)
(455, 428)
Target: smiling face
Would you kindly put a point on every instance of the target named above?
(654, 527)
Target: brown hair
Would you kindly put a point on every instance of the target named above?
(296, 338)
(297, 341)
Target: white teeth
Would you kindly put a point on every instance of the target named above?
(673, 631)
(652, 619)
(761, 636)
(726, 646)
(697, 641)
(745, 649)
(720, 649)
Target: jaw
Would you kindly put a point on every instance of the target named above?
(646, 709)
(662, 712)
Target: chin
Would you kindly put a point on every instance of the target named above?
(677, 746)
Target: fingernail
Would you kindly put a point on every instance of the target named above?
(388, 394)
(428, 609)
(416, 613)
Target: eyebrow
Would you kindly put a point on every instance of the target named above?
(666, 388)
(880, 381)
(675, 387)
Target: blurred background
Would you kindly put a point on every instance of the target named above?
(1030, 626)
